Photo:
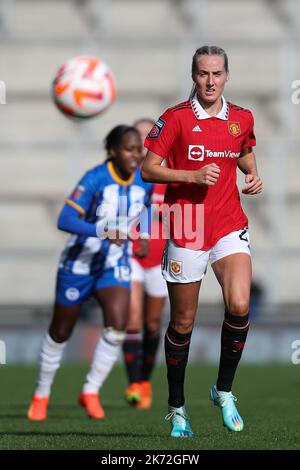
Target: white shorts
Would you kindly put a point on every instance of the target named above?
(184, 265)
(154, 284)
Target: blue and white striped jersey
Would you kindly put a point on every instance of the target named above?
(102, 195)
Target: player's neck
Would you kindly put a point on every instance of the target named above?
(212, 109)
(121, 172)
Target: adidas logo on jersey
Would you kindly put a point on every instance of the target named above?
(197, 129)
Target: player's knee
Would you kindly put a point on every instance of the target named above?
(182, 325)
(118, 324)
(183, 319)
(135, 312)
(134, 322)
(113, 335)
(153, 326)
(117, 316)
(60, 334)
(238, 307)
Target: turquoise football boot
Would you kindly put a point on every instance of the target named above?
(225, 401)
(180, 422)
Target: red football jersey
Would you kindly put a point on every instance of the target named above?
(189, 138)
(156, 244)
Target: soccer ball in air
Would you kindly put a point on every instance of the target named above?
(83, 87)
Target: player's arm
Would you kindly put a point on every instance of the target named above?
(153, 171)
(70, 220)
(247, 164)
(72, 216)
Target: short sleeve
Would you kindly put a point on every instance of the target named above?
(250, 139)
(163, 134)
(83, 194)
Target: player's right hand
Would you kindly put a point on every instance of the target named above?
(207, 175)
(143, 248)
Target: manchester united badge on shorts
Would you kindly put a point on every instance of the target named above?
(234, 128)
(176, 266)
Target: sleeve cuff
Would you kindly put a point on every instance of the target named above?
(100, 227)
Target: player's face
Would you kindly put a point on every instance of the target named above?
(129, 153)
(210, 78)
(144, 128)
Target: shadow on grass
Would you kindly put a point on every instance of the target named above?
(73, 434)
(56, 409)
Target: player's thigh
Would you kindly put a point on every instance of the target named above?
(234, 273)
(135, 319)
(137, 276)
(63, 321)
(231, 262)
(155, 284)
(183, 269)
(183, 303)
(112, 290)
(156, 292)
(153, 308)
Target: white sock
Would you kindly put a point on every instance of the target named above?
(105, 356)
(50, 359)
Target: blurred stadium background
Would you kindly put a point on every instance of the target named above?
(149, 46)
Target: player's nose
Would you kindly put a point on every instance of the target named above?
(137, 154)
(210, 79)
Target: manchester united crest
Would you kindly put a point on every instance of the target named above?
(234, 128)
(176, 266)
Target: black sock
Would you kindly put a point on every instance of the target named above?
(177, 350)
(150, 346)
(132, 348)
(233, 338)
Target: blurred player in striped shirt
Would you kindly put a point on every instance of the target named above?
(100, 215)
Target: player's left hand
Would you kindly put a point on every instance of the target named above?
(115, 236)
(143, 248)
(253, 185)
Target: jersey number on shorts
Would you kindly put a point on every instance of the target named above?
(241, 235)
(122, 273)
(164, 261)
(245, 236)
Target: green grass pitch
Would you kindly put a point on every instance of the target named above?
(269, 399)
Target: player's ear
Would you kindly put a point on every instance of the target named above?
(227, 77)
(112, 153)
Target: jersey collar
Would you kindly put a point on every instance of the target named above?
(200, 113)
(117, 178)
